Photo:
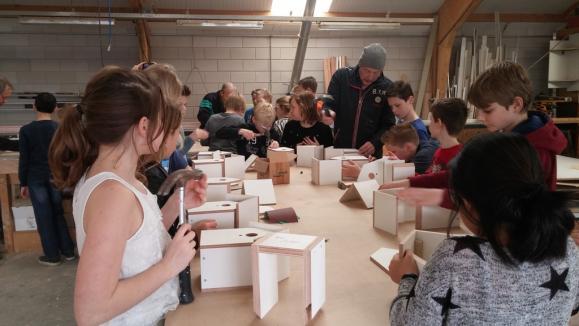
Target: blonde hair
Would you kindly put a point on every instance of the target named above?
(264, 114)
(165, 76)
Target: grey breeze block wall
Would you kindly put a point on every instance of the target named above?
(63, 58)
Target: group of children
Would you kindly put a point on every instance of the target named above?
(520, 266)
(295, 120)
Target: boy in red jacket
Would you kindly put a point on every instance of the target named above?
(503, 95)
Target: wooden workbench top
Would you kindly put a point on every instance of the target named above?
(358, 292)
(8, 163)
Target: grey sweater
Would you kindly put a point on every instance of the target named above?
(466, 283)
(218, 121)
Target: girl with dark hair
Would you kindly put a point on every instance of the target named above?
(304, 127)
(519, 268)
(128, 263)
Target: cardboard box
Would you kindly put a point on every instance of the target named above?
(276, 166)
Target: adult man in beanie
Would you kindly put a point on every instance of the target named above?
(5, 92)
(359, 100)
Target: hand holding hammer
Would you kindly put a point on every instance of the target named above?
(180, 179)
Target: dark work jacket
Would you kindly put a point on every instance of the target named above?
(210, 105)
(361, 115)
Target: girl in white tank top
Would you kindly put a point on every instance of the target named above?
(128, 263)
(143, 250)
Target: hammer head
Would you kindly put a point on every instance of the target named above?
(178, 178)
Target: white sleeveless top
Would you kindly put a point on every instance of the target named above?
(144, 249)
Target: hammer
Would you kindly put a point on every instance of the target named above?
(179, 179)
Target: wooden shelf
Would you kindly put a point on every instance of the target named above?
(564, 50)
(566, 120)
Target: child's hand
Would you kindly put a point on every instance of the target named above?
(24, 192)
(421, 196)
(350, 169)
(389, 155)
(367, 149)
(247, 134)
(180, 250)
(309, 141)
(199, 134)
(195, 192)
(328, 116)
(396, 184)
(400, 266)
(274, 144)
(199, 226)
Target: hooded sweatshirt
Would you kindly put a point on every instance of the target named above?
(543, 135)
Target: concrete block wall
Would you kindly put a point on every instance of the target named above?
(63, 58)
(205, 62)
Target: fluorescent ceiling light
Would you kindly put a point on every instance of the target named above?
(66, 21)
(221, 24)
(353, 26)
(297, 7)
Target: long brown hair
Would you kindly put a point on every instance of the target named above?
(165, 76)
(115, 99)
(305, 100)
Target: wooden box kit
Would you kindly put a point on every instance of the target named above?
(225, 257)
(217, 188)
(379, 169)
(361, 191)
(422, 243)
(311, 249)
(261, 188)
(213, 168)
(389, 211)
(308, 152)
(331, 152)
(234, 212)
(326, 172)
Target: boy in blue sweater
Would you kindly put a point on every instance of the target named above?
(34, 174)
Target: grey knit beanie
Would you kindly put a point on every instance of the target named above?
(373, 56)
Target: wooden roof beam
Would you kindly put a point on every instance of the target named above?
(143, 33)
(451, 15)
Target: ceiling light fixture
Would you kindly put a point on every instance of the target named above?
(66, 21)
(221, 24)
(354, 26)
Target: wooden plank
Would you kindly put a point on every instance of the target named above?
(143, 33)
(571, 9)
(453, 14)
(7, 219)
(26, 241)
(422, 107)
